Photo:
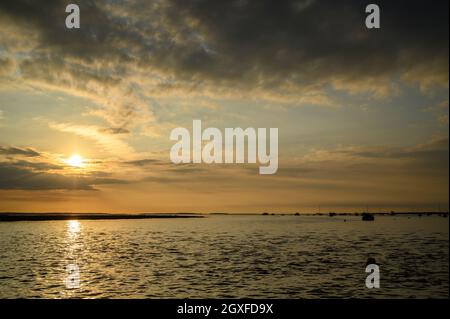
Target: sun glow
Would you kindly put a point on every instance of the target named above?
(76, 161)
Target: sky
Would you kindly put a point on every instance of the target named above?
(362, 113)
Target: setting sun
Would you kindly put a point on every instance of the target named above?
(222, 151)
(75, 161)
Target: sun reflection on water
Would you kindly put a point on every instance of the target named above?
(73, 227)
(72, 271)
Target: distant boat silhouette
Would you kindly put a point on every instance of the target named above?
(367, 217)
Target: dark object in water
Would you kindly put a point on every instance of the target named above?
(331, 214)
(370, 261)
(367, 217)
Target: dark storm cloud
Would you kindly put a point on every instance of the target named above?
(48, 19)
(260, 43)
(18, 151)
(276, 42)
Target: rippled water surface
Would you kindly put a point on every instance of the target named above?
(225, 256)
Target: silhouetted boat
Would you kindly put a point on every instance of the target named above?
(368, 217)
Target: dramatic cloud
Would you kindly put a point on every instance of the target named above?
(436, 149)
(42, 176)
(6, 66)
(18, 151)
(109, 141)
(276, 47)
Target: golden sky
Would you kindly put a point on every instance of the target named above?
(86, 114)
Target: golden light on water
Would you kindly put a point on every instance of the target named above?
(72, 275)
(73, 227)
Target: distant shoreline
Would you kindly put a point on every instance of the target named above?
(13, 217)
(332, 214)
